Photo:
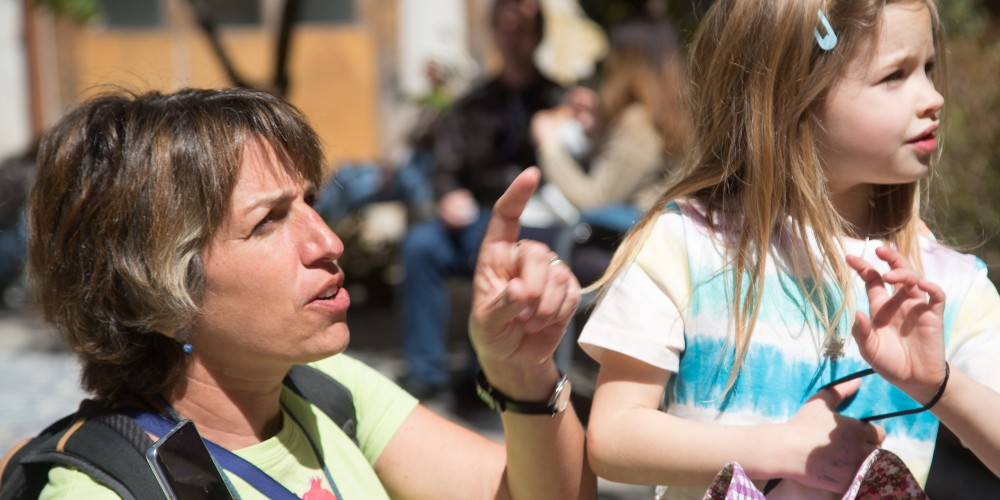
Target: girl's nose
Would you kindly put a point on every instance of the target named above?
(931, 101)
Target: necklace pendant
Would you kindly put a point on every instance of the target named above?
(835, 347)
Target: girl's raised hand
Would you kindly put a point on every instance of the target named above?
(902, 338)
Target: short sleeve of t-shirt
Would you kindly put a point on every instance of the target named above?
(381, 405)
(641, 315)
(975, 341)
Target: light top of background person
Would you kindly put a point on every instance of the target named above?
(646, 66)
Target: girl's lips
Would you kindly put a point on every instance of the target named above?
(925, 144)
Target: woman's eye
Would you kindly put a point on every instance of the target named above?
(263, 224)
(929, 68)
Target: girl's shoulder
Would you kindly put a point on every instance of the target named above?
(945, 265)
(688, 215)
(683, 228)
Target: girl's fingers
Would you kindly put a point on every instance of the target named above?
(833, 396)
(893, 258)
(904, 277)
(935, 296)
(875, 434)
(874, 285)
(862, 332)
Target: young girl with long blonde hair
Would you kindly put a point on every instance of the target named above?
(789, 253)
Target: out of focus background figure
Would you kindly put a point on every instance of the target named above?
(610, 153)
(483, 143)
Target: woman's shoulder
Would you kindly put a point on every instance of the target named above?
(66, 482)
(352, 372)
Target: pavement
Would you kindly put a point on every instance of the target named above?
(39, 379)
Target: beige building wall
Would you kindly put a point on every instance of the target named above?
(333, 69)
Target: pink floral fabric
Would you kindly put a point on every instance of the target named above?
(732, 483)
(882, 475)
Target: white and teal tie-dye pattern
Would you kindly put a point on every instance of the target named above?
(671, 309)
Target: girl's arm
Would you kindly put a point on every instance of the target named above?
(630, 440)
(903, 340)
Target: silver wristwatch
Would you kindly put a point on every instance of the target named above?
(496, 400)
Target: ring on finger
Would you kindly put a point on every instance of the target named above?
(555, 260)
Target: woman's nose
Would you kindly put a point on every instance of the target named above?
(319, 242)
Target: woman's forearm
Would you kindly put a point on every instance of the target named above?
(545, 454)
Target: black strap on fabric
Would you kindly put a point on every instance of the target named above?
(117, 443)
(864, 373)
(96, 435)
(326, 393)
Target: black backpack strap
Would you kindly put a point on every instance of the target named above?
(94, 435)
(327, 394)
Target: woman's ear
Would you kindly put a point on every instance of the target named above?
(180, 334)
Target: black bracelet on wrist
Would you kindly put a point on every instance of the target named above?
(928, 406)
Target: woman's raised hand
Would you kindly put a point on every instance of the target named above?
(523, 296)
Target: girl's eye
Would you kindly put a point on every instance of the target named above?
(310, 199)
(894, 76)
(929, 68)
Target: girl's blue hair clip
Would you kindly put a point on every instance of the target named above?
(828, 41)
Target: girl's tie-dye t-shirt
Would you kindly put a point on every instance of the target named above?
(671, 308)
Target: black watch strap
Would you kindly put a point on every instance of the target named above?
(498, 401)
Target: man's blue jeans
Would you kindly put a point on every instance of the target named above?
(13, 250)
(431, 253)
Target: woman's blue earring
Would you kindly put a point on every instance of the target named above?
(188, 348)
(828, 41)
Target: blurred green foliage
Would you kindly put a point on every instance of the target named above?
(964, 208)
(79, 10)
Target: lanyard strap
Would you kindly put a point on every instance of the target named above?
(316, 451)
(159, 425)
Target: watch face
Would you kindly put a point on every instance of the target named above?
(560, 400)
